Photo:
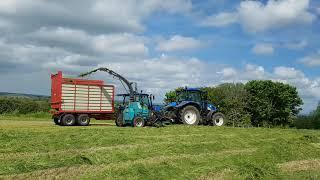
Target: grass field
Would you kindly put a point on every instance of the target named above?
(35, 148)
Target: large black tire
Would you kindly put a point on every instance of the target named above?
(138, 122)
(219, 119)
(56, 120)
(190, 115)
(83, 120)
(119, 120)
(68, 120)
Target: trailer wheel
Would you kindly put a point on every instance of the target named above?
(68, 120)
(138, 122)
(190, 115)
(83, 120)
(56, 120)
(219, 119)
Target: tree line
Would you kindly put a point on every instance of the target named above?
(21, 105)
(310, 121)
(259, 103)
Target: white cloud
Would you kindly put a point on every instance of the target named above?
(287, 72)
(177, 42)
(263, 49)
(121, 44)
(125, 44)
(228, 72)
(220, 20)
(254, 71)
(312, 60)
(95, 15)
(255, 16)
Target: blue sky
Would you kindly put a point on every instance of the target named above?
(162, 44)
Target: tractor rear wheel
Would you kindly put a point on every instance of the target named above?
(119, 120)
(138, 122)
(219, 119)
(190, 115)
(68, 120)
(83, 120)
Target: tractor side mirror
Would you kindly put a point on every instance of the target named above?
(153, 98)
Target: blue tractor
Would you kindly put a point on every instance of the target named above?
(191, 107)
(136, 109)
(139, 112)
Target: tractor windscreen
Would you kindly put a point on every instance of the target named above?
(189, 96)
(181, 96)
(145, 100)
(195, 96)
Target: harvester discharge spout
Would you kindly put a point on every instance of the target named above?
(118, 76)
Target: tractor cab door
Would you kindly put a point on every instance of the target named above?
(146, 102)
(204, 100)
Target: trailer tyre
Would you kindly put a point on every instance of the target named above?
(219, 119)
(83, 120)
(138, 122)
(190, 115)
(56, 120)
(68, 120)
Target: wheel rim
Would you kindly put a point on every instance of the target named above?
(84, 120)
(219, 121)
(190, 117)
(139, 123)
(69, 121)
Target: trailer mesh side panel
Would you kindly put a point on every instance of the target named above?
(87, 97)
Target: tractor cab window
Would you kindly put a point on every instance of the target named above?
(182, 96)
(195, 96)
(144, 100)
(189, 96)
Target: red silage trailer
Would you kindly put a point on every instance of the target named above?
(75, 101)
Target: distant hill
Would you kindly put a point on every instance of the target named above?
(20, 95)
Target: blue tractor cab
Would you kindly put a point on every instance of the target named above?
(191, 107)
(137, 112)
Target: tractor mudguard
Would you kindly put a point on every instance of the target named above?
(170, 106)
(186, 103)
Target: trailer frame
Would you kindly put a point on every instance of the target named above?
(57, 80)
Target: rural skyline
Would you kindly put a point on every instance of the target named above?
(163, 44)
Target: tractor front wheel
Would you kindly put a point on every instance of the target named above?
(190, 115)
(138, 122)
(219, 119)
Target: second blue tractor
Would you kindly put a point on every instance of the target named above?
(191, 107)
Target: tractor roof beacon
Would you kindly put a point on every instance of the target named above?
(191, 107)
